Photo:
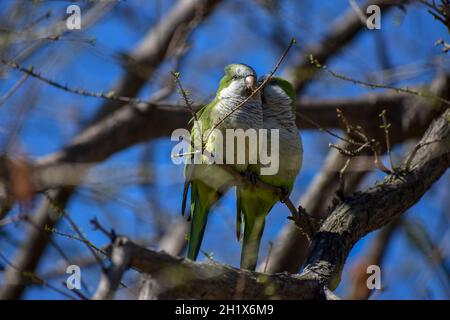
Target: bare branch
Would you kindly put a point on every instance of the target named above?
(153, 49)
(413, 117)
(341, 33)
(356, 216)
(142, 63)
(110, 279)
(373, 256)
(184, 279)
(379, 205)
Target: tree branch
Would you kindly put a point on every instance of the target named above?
(120, 260)
(377, 206)
(340, 35)
(185, 279)
(374, 256)
(143, 61)
(147, 56)
(409, 119)
(351, 220)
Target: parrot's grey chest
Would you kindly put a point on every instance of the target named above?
(247, 116)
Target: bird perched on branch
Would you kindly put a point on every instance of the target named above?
(209, 182)
(253, 202)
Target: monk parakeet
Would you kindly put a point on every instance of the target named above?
(209, 182)
(254, 203)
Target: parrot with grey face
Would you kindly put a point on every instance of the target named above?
(254, 203)
(209, 182)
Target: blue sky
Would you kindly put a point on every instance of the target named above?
(56, 116)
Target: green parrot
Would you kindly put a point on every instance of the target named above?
(254, 203)
(209, 182)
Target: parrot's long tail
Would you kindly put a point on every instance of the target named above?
(202, 199)
(253, 230)
(254, 211)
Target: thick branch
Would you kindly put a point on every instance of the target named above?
(351, 220)
(380, 204)
(150, 52)
(290, 248)
(130, 126)
(340, 35)
(409, 119)
(110, 279)
(373, 256)
(185, 279)
(154, 48)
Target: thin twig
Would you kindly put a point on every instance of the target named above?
(184, 94)
(341, 177)
(365, 142)
(13, 89)
(240, 179)
(266, 80)
(97, 226)
(35, 279)
(188, 104)
(111, 277)
(417, 147)
(370, 85)
(63, 212)
(107, 96)
(13, 219)
(319, 127)
(386, 127)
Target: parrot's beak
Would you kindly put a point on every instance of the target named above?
(250, 82)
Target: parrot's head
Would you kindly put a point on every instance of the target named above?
(239, 80)
(278, 93)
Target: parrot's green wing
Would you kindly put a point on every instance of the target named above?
(203, 195)
(287, 88)
(202, 117)
(208, 182)
(202, 199)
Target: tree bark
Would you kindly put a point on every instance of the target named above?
(408, 120)
(352, 219)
